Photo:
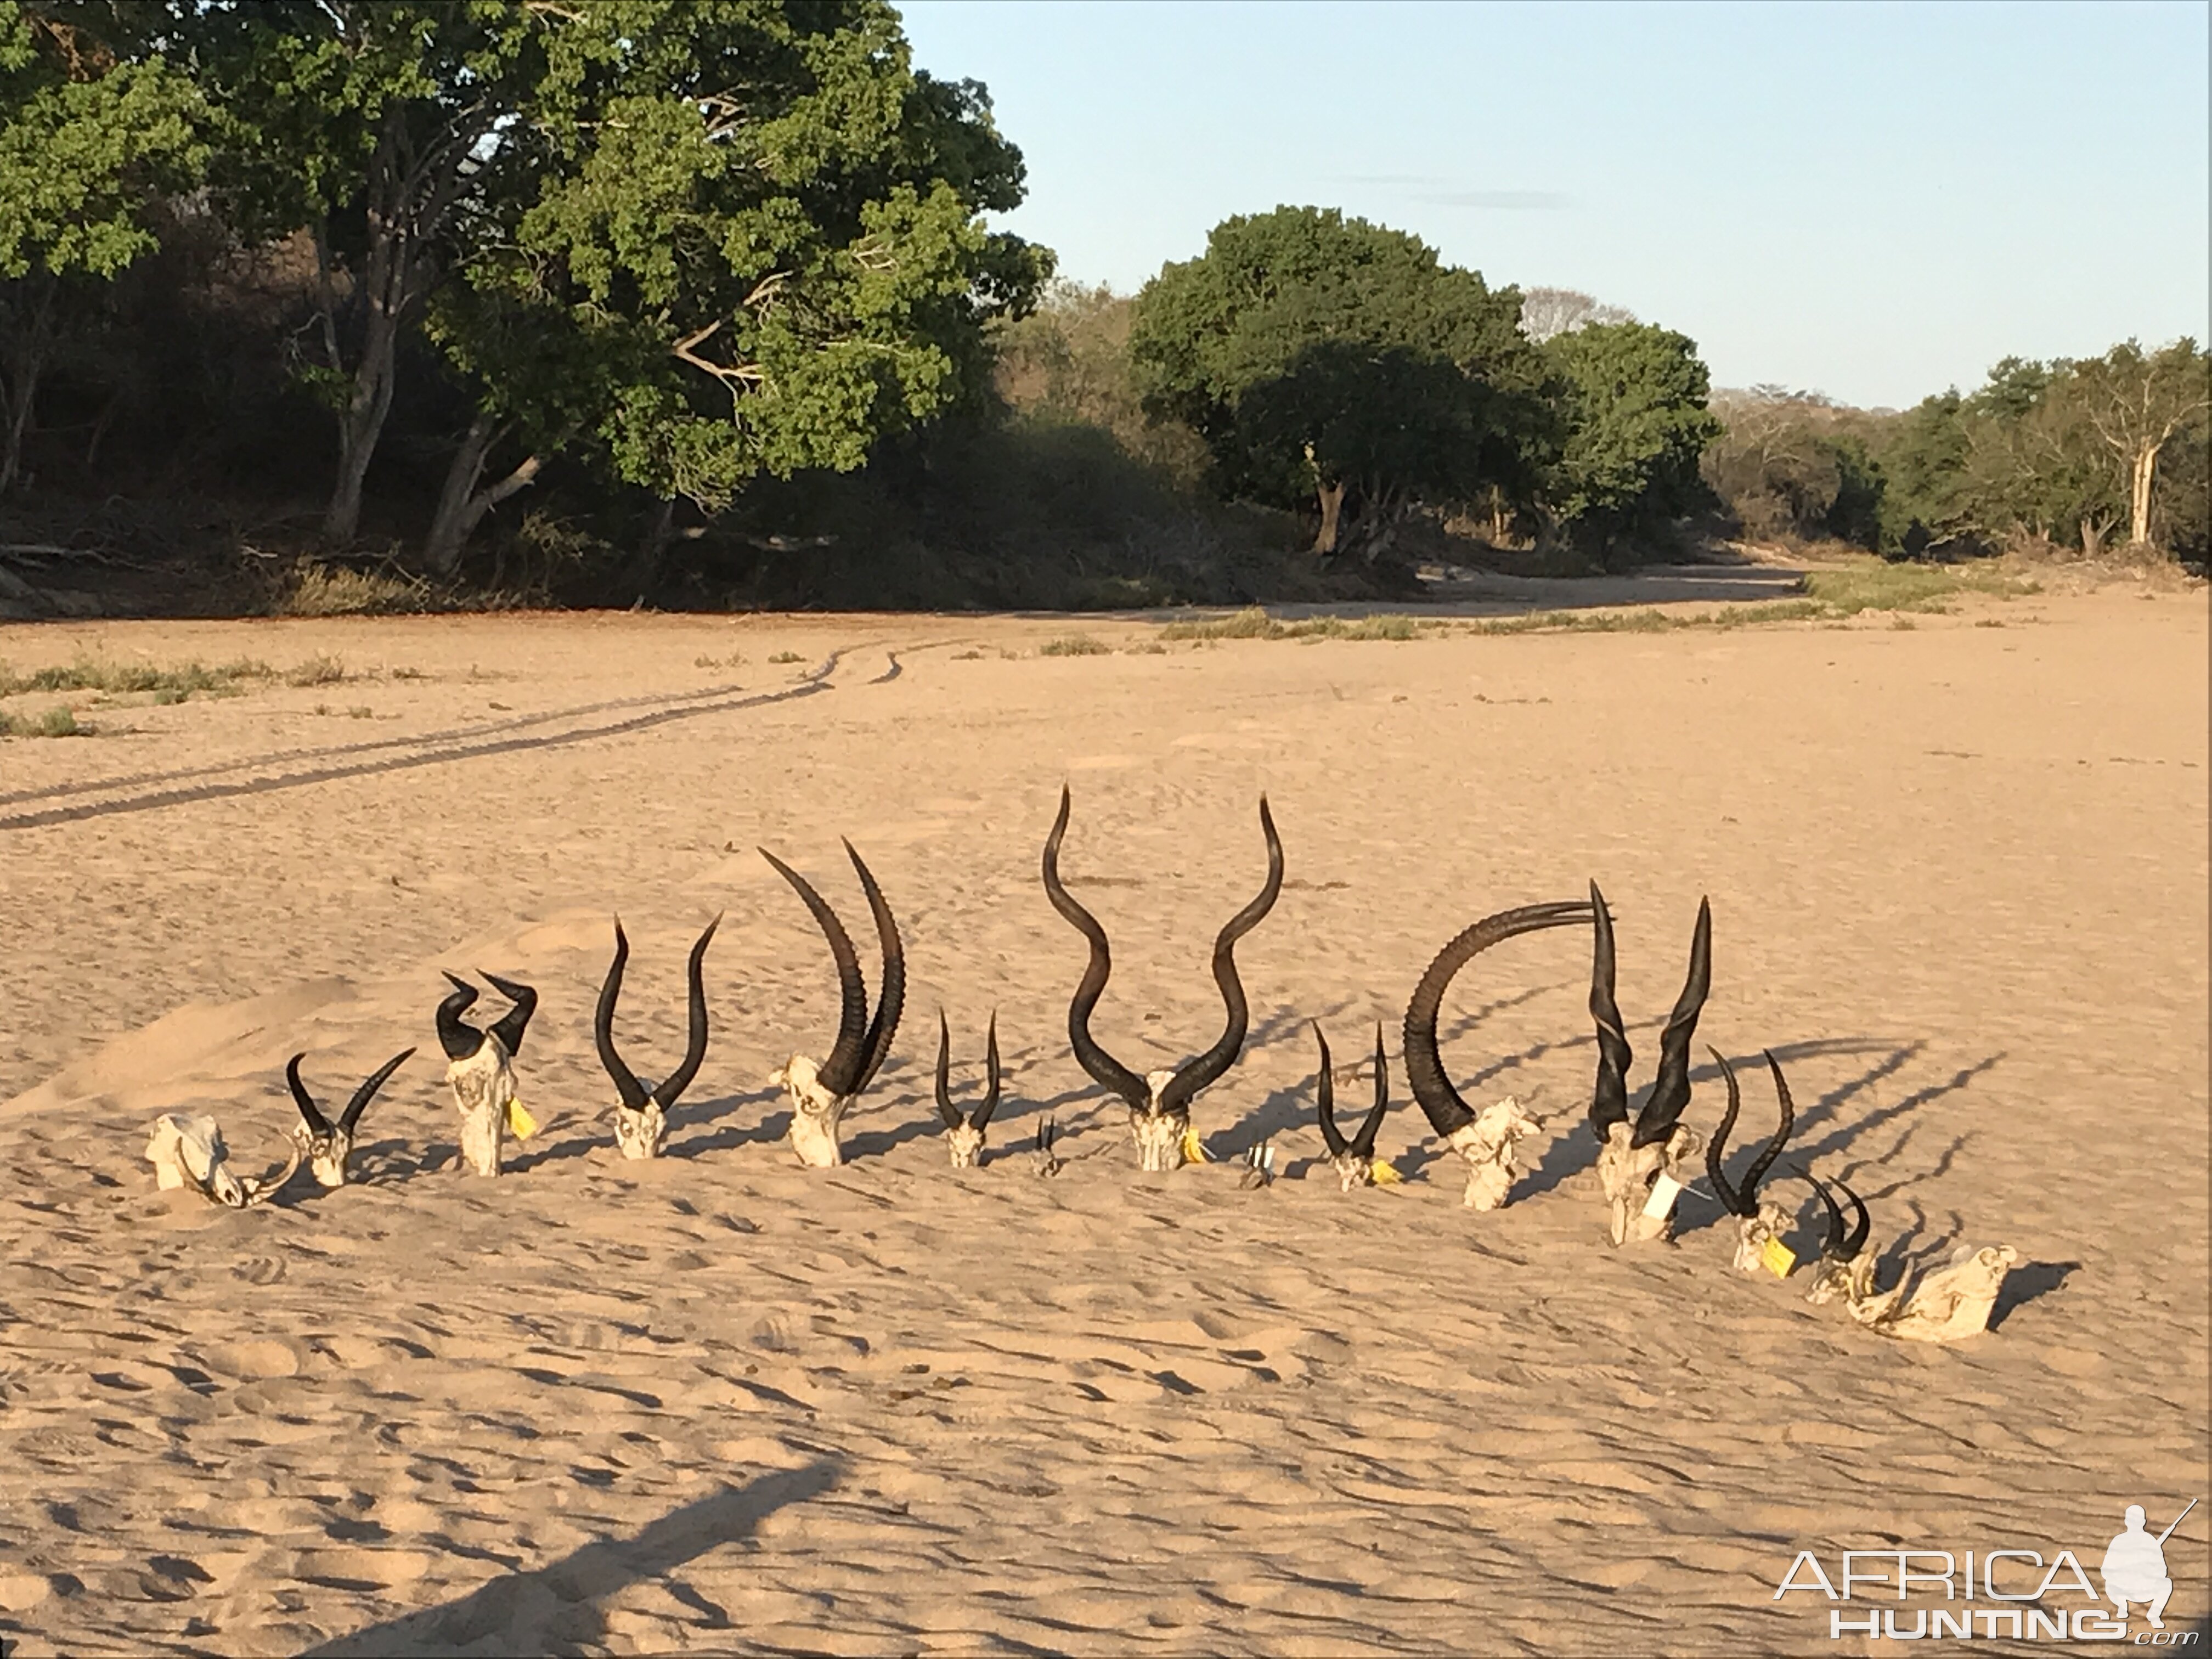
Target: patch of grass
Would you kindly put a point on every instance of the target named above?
(732, 660)
(1075, 645)
(323, 590)
(1254, 623)
(786, 656)
(87, 675)
(316, 671)
(60, 722)
(967, 656)
(1878, 585)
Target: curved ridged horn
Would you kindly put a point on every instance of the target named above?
(316, 1123)
(1363, 1144)
(1670, 1085)
(1862, 1225)
(1202, 1073)
(252, 1191)
(945, 1108)
(1743, 1199)
(1836, 1247)
(509, 1026)
(839, 1073)
(1772, 1150)
(367, 1092)
(981, 1119)
(1716, 1147)
(628, 1088)
(1325, 1100)
(459, 1040)
(1425, 1072)
(891, 990)
(1609, 1095)
(695, 1046)
(1101, 1067)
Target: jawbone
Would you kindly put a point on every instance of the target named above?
(966, 1146)
(1488, 1144)
(1627, 1173)
(815, 1114)
(640, 1134)
(482, 1084)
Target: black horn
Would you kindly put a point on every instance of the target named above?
(1100, 1066)
(459, 1039)
(1325, 1101)
(367, 1092)
(945, 1108)
(628, 1088)
(891, 990)
(1202, 1073)
(982, 1119)
(1670, 1085)
(1731, 1200)
(840, 1074)
(1363, 1144)
(510, 1025)
(316, 1123)
(694, 1044)
(1609, 1095)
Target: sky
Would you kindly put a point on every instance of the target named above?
(1872, 201)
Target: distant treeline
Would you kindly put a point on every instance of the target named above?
(696, 302)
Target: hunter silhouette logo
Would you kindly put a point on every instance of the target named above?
(2135, 1566)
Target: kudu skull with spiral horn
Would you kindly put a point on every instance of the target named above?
(1159, 1102)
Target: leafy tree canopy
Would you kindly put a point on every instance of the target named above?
(1638, 424)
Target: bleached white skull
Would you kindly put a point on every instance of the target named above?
(186, 1150)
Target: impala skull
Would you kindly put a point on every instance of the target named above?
(1487, 1142)
(1159, 1102)
(641, 1114)
(1354, 1159)
(1757, 1224)
(1845, 1269)
(964, 1134)
(819, 1091)
(1643, 1165)
(186, 1150)
(327, 1146)
(480, 1066)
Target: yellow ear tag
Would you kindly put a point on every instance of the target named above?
(520, 1121)
(1778, 1257)
(1384, 1172)
(1192, 1152)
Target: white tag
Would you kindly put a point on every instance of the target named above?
(1664, 1191)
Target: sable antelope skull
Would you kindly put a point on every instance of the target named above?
(186, 1150)
(820, 1091)
(1486, 1141)
(1355, 1160)
(964, 1135)
(1633, 1158)
(1948, 1305)
(641, 1114)
(327, 1146)
(1159, 1102)
(1845, 1268)
(480, 1066)
(1756, 1222)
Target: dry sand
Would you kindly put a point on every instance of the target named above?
(1959, 887)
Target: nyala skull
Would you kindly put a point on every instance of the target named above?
(1948, 1305)
(1354, 1159)
(480, 1066)
(1757, 1224)
(641, 1114)
(1159, 1103)
(1845, 1269)
(1486, 1142)
(964, 1134)
(819, 1091)
(186, 1150)
(327, 1146)
(1633, 1156)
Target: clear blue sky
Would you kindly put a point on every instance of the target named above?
(1874, 200)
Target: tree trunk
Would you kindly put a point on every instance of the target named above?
(2145, 470)
(19, 395)
(2093, 536)
(461, 504)
(1331, 504)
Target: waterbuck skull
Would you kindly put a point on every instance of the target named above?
(480, 1066)
(1634, 1158)
(1845, 1269)
(641, 1114)
(1353, 1160)
(327, 1146)
(1159, 1102)
(964, 1135)
(819, 1091)
(186, 1150)
(1487, 1142)
(1757, 1224)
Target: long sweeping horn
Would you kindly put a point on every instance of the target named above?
(982, 1119)
(1833, 1245)
(316, 1123)
(945, 1109)
(509, 1026)
(695, 1046)
(1772, 1150)
(1196, 1074)
(628, 1088)
(1363, 1144)
(1670, 1085)
(1425, 1071)
(1325, 1100)
(1609, 1095)
(840, 1073)
(1101, 1067)
(458, 1039)
(367, 1092)
(891, 990)
(1716, 1149)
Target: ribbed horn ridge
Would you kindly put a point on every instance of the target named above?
(981, 1119)
(1101, 1067)
(1363, 1144)
(1670, 1085)
(1743, 1199)
(694, 1044)
(1772, 1150)
(1207, 1068)
(510, 1025)
(628, 1088)
(316, 1123)
(1325, 1100)
(1716, 1149)
(367, 1092)
(945, 1108)
(1862, 1225)
(1833, 1245)
(458, 1039)
(840, 1074)
(891, 990)
(1609, 1095)
(1425, 1072)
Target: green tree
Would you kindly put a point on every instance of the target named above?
(1637, 424)
(1283, 343)
(88, 139)
(2135, 402)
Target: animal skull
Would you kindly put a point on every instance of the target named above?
(1850, 1279)
(1845, 1268)
(1628, 1173)
(1047, 1162)
(480, 1068)
(1754, 1231)
(815, 1113)
(1159, 1134)
(1488, 1145)
(641, 1113)
(328, 1147)
(964, 1131)
(186, 1150)
(640, 1134)
(1948, 1305)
